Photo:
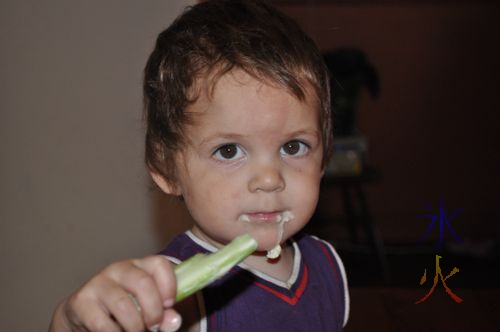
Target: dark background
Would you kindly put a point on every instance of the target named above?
(433, 132)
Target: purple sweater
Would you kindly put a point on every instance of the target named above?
(315, 298)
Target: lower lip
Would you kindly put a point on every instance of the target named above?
(264, 217)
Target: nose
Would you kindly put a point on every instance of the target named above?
(267, 177)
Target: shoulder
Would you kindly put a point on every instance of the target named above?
(322, 253)
(314, 244)
(181, 247)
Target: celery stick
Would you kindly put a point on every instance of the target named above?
(200, 270)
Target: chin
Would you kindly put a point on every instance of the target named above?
(269, 242)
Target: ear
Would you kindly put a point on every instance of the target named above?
(166, 186)
(323, 170)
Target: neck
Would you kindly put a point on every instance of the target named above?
(280, 268)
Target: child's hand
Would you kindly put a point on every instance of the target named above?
(133, 295)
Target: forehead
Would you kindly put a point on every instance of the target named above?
(237, 94)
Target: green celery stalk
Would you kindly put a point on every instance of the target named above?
(202, 269)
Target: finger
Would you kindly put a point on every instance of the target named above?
(145, 279)
(171, 322)
(120, 306)
(84, 312)
(146, 294)
(163, 274)
(99, 321)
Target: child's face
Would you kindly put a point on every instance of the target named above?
(254, 153)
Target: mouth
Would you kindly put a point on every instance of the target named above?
(278, 218)
(272, 217)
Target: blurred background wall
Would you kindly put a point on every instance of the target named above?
(74, 193)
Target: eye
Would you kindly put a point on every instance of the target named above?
(228, 152)
(294, 148)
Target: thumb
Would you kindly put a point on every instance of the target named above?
(171, 322)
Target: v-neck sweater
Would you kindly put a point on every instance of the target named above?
(314, 298)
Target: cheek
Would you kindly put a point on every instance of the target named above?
(235, 196)
(305, 188)
(214, 193)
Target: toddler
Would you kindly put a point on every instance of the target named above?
(239, 127)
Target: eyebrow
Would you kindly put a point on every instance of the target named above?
(308, 132)
(235, 136)
(222, 136)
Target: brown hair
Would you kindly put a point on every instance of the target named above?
(212, 38)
